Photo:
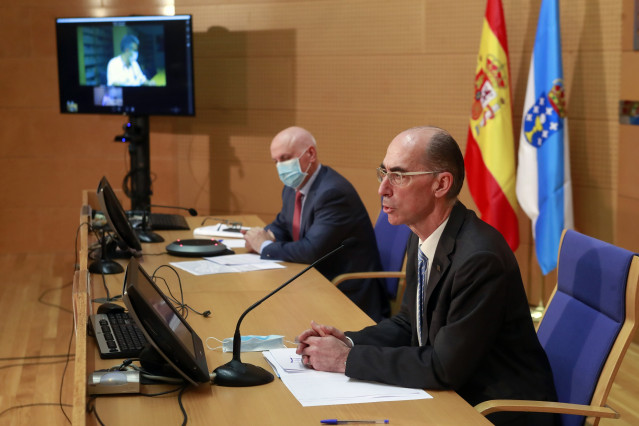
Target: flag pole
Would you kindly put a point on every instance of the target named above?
(538, 311)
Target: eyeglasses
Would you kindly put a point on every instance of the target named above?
(229, 226)
(399, 178)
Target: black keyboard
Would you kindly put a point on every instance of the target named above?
(168, 221)
(118, 335)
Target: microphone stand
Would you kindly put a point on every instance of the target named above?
(145, 234)
(104, 265)
(191, 210)
(237, 373)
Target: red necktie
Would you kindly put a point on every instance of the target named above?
(296, 215)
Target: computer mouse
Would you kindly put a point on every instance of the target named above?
(110, 307)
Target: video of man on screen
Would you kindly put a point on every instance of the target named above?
(121, 56)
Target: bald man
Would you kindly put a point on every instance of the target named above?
(465, 322)
(330, 211)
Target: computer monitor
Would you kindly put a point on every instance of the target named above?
(133, 65)
(164, 328)
(126, 238)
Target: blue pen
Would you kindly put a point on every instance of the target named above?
(347, 422)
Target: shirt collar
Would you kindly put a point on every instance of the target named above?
(429, 246)
(307, 186)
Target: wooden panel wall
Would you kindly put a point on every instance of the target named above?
(628, 193)
(355, 73)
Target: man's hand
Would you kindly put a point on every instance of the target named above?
(324, 348)
(255, 237)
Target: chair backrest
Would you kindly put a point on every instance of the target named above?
(590, 319)
(391, 243)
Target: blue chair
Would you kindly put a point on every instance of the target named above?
(586, 329)
(391, 244)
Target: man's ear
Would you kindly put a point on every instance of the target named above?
(313, 151)
(442, 183)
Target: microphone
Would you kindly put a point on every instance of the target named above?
(235, 372)
(191, 210)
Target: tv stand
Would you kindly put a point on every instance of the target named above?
(136, 134)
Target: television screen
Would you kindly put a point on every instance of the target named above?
(163, 326)
(134, 65)
(115, 215)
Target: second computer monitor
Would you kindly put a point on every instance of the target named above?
(115, 215)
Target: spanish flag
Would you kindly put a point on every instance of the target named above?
(490, 150)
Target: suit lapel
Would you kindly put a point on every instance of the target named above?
(309, 201)
(441, 261)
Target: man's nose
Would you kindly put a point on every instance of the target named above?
(384, 187)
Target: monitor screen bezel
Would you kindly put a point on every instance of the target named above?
(176, 98)
(191, 366)
(115, 215)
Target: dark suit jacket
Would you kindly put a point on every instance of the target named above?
(332, 213)
(479, 336)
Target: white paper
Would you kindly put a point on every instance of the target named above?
(207, 267)
(239, 259)
(313, 388)
(248, 267)
(233, 242)
(203, 267)
(286, 360)
(218, 230)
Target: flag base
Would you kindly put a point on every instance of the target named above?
(537, 312)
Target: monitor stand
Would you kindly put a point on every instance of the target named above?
(152, 362)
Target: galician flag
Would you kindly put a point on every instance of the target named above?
(490, 149)
(544, 187)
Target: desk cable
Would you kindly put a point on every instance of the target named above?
(128, 365)
(66, 357)
(183, 307)
(104, 284)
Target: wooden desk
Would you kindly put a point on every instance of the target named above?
(311, 297)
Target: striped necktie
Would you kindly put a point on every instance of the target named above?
(422, 266)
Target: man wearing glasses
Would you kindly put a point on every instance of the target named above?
(320, 209)
(465, 323)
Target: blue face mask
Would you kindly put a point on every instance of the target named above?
(134, 56)
(291, 173)
(251, 343)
